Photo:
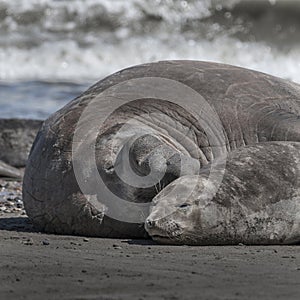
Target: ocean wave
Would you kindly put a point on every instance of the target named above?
(86, 40)
(55, 15)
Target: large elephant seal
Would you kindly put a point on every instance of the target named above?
(133, 133)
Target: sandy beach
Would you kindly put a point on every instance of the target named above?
(41, 266)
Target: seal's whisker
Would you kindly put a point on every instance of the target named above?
(156, 189)
(159, 182)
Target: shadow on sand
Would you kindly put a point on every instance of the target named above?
(141, 242)
(23, 224)
(19, 224)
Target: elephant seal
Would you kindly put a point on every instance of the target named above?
(135, 132)
(258, 201)
(16, 138)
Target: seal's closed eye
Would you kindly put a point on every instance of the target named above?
(184, 205)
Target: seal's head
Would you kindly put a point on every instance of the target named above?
(184, 213)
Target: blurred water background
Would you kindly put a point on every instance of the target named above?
(52, 50)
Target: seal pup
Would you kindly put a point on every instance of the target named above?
(258, 201)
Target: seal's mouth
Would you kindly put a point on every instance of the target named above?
(162, 239)
(163, 230)
(157, 236)
(166, 235)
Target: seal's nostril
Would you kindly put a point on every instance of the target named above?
(149, 223)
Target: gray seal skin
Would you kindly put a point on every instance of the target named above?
(16, 138)
(253, 108)
(258, 201)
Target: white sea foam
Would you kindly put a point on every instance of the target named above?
(86, 40)
(66, 60)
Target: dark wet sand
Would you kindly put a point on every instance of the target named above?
(40, 266)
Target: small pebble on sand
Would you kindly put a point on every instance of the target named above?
(11, 197)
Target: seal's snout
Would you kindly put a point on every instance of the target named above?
(149, 223)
